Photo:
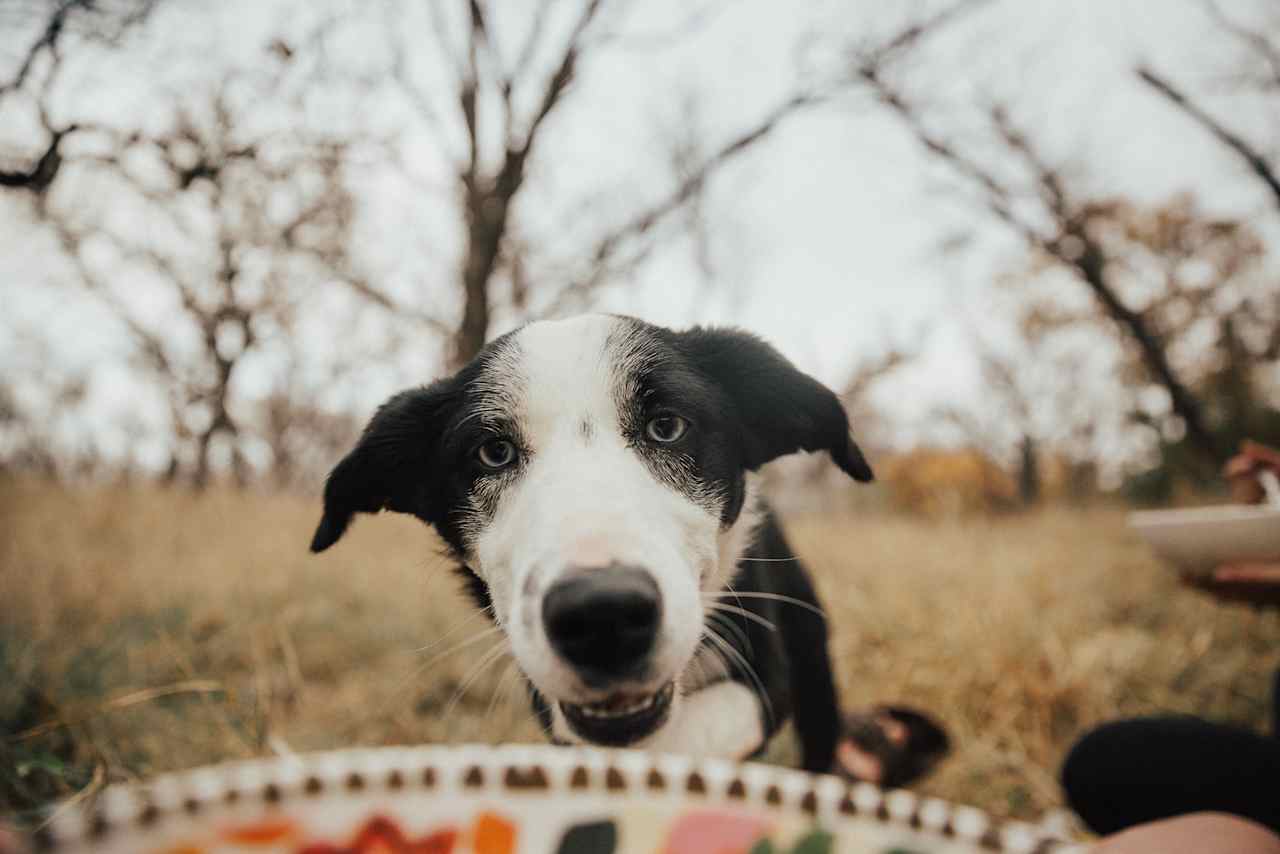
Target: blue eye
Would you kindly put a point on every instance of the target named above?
(496, 454)
(666, 428)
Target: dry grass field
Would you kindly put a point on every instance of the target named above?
(143, 629)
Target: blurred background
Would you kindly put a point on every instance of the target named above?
(1033, 246)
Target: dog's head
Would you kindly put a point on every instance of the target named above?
(591, 475)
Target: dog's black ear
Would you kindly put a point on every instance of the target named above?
(782, 409)
(390, 467)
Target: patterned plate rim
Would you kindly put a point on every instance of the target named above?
(514, 770)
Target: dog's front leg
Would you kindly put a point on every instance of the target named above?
(721, 720)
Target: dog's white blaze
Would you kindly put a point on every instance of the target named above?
(586, 499)
(721, 720)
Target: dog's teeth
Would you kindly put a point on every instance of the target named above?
(623, 707)
(614, 710)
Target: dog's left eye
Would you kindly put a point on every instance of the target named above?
(496, 453)
(666, 428)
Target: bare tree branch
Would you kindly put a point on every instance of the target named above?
(884, 53)
(440, 27)
(382, 300)
(47, 163)
(401, 75)
(555, 88)
(46, 41)
(696, 18)
(102, 22)
(602, 259)
(39, 177)
(996, 196)
(1251, 156)
(1262, 47)
(530, 47)
(488, 207)
(610, 257)
(871, 372)
(1071, 243)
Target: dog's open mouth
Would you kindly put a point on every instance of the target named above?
(622, 719)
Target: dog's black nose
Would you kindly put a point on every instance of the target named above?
(603, 621)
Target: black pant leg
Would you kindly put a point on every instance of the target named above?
(1275, 704)
(1134, 771)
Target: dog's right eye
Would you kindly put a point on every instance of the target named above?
(496, 454)
(666, 428)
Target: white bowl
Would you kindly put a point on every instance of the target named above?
(1200, 538)
(521, 800)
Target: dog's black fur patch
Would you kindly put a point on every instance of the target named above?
(792, 664)
(747, 404)
(416, 456)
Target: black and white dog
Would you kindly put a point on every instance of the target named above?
(593, 478)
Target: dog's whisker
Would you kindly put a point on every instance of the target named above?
(497, 688)
(719, 656)
(706, 670)
(411, 678)
(728, 587)
(726, 623)
(422, 668)
(490, 657)
(743, 612)
(463, 644)
(768, 560)
(514, 686)
(504, 681)
(777, 597)
(453, 630)
(724, 651)
(689, 677)
(745, 666)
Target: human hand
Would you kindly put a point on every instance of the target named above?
(10, 841)
(1201, 833)
(1244, 471)
(1253, 582)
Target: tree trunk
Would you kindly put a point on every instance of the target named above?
(486, 223)
(200, 477)
(1028, 471)
(471, 334)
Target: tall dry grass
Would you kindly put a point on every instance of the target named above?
(143, 629)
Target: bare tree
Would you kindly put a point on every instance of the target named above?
(1200, 283)
(874, 430)
(257, 222)
(28, 440)
(1039, 394)
(51, 24)
(509, 91)
(225, 223)
(303, 435)
(1054, 222)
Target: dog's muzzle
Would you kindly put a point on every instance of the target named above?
(604, 624)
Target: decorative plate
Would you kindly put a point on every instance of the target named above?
(521, 800)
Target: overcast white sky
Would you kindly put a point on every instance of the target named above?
(827, 234)
(843, 214)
